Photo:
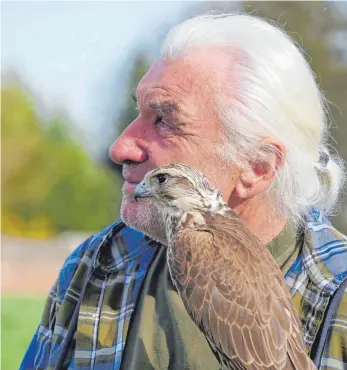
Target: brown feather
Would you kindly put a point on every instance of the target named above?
(247, 314)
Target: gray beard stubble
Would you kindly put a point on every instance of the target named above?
(147, 218)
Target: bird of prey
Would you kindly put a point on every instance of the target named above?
(230, 284)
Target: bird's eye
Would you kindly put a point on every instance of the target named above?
(162, 178)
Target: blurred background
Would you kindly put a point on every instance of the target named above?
(67, 72)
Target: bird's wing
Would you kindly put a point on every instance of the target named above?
(235, 292)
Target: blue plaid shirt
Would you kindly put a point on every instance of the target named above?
(88, 310)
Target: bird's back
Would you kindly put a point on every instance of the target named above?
(235, 292)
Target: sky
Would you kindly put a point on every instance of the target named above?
(69, 54)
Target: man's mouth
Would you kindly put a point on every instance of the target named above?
(131, 180)
(129, 186)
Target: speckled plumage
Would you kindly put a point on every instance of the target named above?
(230, 284)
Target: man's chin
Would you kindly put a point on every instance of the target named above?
(143, 216)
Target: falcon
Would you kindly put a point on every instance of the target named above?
(230, 284)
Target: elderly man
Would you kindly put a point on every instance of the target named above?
(233, 96)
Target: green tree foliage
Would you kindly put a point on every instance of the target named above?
(49, 183)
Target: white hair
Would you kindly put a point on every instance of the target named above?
(275, 96)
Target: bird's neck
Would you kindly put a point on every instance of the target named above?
(178, 220)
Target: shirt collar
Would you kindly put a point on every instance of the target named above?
(285, 247)
(324, 252)
(119, 246)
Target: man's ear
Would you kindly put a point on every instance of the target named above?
(260, 172)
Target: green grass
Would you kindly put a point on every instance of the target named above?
(20, 316)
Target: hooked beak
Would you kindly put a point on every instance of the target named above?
(141, 191)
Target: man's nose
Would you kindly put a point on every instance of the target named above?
(130, 146)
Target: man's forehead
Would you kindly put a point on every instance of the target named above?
(186, 74)
(158, 71)
(162, 79)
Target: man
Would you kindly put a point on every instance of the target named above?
(233, 96)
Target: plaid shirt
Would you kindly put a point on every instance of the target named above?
(100, 281)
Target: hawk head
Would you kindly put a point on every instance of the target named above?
(179, 188)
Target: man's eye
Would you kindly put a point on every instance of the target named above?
(164, 125)
(159, 118)
(161, 123)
